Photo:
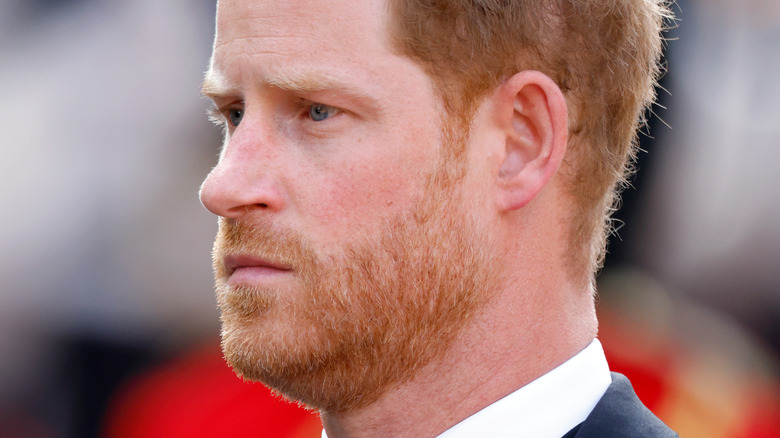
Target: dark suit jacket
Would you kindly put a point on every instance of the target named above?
(620, 414)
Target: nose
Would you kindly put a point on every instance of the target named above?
(242, 182)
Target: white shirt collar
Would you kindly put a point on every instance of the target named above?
(548, 407)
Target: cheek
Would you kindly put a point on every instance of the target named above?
(359, 197)
(364, 193)
(369, 179)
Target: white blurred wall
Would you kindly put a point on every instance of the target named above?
(104, 143)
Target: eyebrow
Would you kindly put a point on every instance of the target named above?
(305, 83)
(215, 85)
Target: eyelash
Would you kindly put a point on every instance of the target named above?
(220, 119)
(216, 117)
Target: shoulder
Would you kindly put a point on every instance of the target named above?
(620, 413)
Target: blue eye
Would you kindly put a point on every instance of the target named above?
(319, 112)
(235, 116)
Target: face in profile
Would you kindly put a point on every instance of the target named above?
(346, 256)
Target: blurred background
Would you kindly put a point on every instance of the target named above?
(108, 324)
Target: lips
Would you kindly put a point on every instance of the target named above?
(241, 268)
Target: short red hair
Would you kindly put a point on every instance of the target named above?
(603, 54)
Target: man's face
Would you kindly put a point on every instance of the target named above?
(347, 255)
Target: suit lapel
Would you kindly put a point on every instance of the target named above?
(620, 414)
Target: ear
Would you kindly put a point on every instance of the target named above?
(532, 117)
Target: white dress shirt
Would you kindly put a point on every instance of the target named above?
(548, 407)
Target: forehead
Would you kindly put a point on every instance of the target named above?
(300, 34)
(241, 18)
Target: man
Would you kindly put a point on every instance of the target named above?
(412, 199)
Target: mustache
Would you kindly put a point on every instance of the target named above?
(260, 239)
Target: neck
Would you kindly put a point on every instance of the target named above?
(538, 319)
(492, 358)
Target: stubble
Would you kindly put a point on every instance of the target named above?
(367, 318)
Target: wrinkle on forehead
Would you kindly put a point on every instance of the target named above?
(291, 18)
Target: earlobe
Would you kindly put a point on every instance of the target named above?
(532, 115)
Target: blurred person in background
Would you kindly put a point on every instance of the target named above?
(411, 218)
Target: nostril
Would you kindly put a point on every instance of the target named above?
(247, 208)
